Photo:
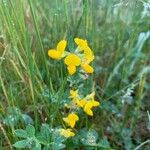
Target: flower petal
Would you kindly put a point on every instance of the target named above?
(81, 103)
(88, 55)
(71, 119)
(73, 116)
(67, 133)
(95, 103)
(71, 69)
(74, 94)
(61, 46)
(54, 54)
(72, 60)
(88, 111)
(87, 68)
(87, 108)
(81, 43)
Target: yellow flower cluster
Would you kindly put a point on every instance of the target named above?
(82, 56)
(87, 103)
(70, 120)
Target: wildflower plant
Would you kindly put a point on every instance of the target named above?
(80, 102)
(76, 62)
(82, 56)
(72, 93)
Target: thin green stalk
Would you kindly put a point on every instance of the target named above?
(138, 147)
(39, 38)
(6, 137)
(86, 13)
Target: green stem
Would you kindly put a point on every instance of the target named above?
(38, 35)
(138, 147)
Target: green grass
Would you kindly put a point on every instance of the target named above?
(37, 85)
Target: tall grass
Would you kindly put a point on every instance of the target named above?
(119, 36)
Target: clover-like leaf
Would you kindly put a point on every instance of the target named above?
(103, 143)
(27, 119)
(58, 146)
(88, 137)
(30, 130)
(21, 133)
(21, 144)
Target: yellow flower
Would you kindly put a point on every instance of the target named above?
(89, 105)
(74, 94)
(87, 55)
(67, 133)
(87, 58)
(71, 69)
(75, 98)
(87, 68)
(71, 119)
(81, 43)
(87, 108)
(72, 61)
(59, 51)
(81, 103)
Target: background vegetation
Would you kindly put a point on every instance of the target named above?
(32, 86)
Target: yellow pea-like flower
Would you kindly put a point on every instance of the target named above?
(61, 46)
(87, 58)
(71, 69)
(74, 94)
(67, 133)
(87, 108)
(54, 54)
(89, 105)
(81, 103)
(72, 61)
(58, 53)
(71, 119)
(75, 97)
(87, 68)
(88, 55)
(82, 44)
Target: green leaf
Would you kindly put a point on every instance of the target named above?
(21, 144)
(30, 130)
(88, 137)
(58, 146)
(21, 133)
(27, 119)
(104, 143)
(57, 138)
(45, 131)
(44, 136)
(37, 147)
(11, 120)
(42, 140)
